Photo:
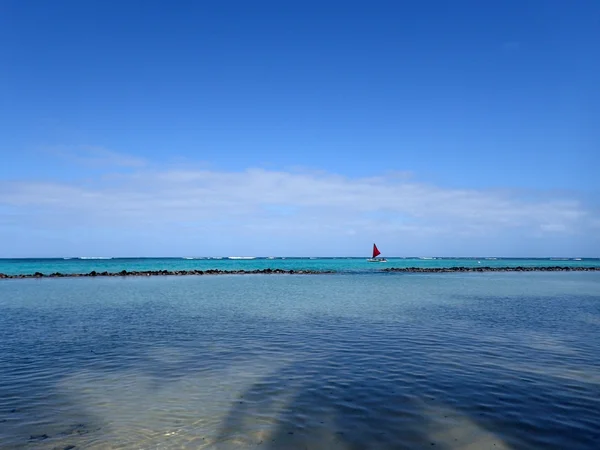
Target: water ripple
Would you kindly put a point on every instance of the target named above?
(275, 364)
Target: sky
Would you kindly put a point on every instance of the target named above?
(300, 128)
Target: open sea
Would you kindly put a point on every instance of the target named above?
(359, 359)
(86, 264)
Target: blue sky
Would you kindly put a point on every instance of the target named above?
(299, 128)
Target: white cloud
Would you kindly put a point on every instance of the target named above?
(193, 210)
(287, 202)
(554, 227)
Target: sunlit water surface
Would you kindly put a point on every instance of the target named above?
(373, 361)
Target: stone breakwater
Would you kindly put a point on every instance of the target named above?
(148, 273)
(492, 269)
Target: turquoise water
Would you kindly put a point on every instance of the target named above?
(345, 361)
(74, 265)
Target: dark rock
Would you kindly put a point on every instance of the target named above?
(268, 271)
(491, 269)
(38, 437)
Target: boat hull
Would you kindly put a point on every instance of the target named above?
(379, 260)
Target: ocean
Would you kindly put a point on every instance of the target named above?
(87, 264)
(358, 359)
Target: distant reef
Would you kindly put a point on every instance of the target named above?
(492, 269)
(148, 273)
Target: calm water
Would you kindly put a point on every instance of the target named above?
(76, 265)
(350, 361)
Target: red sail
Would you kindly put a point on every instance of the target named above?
(376, 251)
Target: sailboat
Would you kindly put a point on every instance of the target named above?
(376, 253)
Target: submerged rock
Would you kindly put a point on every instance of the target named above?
(38, 437)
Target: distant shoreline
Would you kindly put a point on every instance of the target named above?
(147, 273)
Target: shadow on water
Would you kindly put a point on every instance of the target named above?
(325, 411)
(413, 387)
(447, 379)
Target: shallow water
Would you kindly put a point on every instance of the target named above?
(377, 361)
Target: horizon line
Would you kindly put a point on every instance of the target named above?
(249, 257)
